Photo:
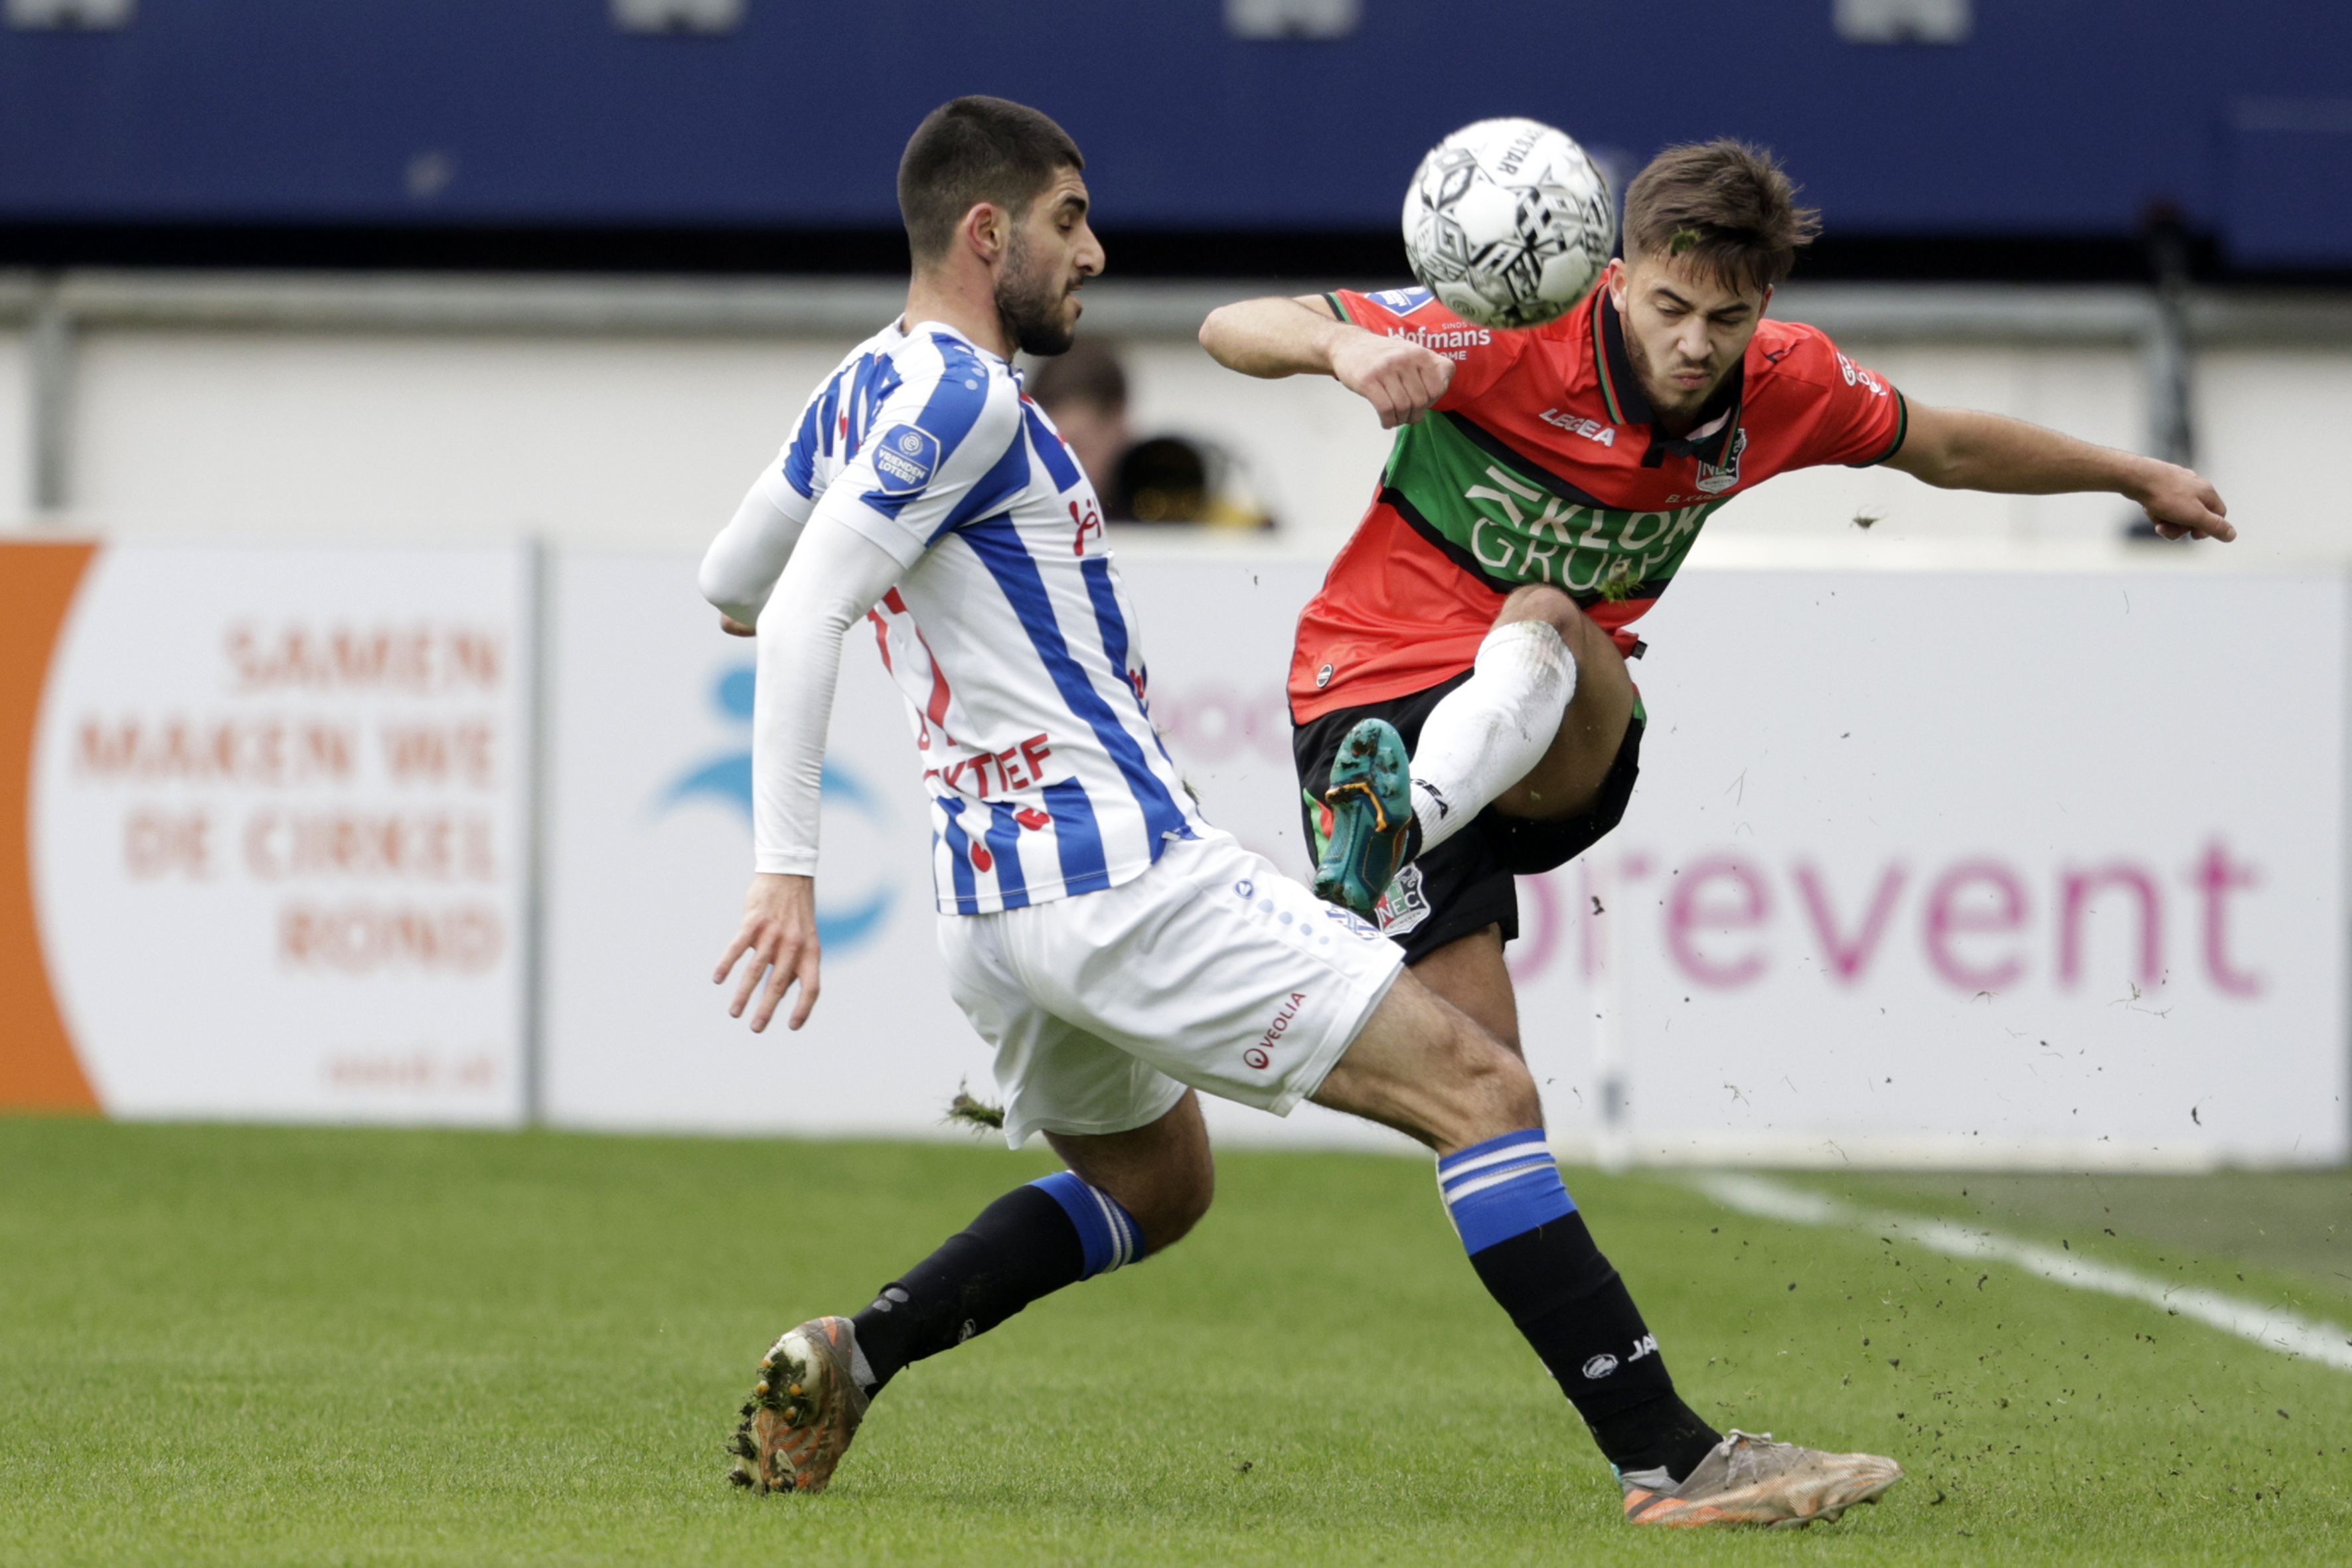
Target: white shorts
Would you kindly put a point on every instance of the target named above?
(1211, 970)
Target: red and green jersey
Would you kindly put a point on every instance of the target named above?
(1541, 464)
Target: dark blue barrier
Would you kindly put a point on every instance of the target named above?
(2052, 117)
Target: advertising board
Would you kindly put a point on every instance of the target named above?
(1983, 868)
(1974, 868)
(271, 858)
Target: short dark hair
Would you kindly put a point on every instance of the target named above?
(974, 150)
(1725, 204)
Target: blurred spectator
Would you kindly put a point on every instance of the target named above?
(1084, 391)
(1160, 480)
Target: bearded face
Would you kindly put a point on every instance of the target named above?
(1036, 301)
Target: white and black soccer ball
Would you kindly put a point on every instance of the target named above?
(1508, 222)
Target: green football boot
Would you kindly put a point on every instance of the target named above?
(1371, 802)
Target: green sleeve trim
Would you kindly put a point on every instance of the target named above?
(1902, 429)
(1340, 307)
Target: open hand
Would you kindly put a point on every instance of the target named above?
(779, 933)
(1401, 379)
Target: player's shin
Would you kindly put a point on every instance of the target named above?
(1490, 731)
(1026, 1245)
(1536, 1257)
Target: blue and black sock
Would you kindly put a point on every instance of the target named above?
(1026, 1245)
(1536, 1257)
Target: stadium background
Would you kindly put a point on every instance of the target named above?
(473, 322)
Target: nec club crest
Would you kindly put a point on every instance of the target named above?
(904, 457)
(1713, 479)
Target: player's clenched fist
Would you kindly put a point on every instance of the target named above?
(779, 933)
(1401, 380)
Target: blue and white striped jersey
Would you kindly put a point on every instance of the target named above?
(1009, 632)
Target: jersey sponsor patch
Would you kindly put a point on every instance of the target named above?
(904, 458)
(1403, 302)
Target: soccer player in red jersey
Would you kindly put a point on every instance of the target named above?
(1544, 488)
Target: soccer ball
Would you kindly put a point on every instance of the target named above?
(1509, 223)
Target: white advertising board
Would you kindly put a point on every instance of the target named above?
(650, 845)
(649, 853)
(1982, 870)
(278, 811)
(1925, 868)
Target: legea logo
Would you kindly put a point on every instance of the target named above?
(727, 779)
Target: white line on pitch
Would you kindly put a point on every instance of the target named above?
(2289, 1333)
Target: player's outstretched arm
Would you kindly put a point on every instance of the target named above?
(1276, 337)
(835, 575)
(1959, 450)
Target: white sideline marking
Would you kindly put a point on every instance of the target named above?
(2289, 1333)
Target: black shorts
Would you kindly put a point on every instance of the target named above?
(1463, 885)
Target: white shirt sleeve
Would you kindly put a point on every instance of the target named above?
(833, 577)
(741, 566)
(946, 448)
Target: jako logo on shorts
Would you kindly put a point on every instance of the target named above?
(904, 458)
(1600, 1366)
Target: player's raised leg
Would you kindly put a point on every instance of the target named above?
(1533, 731)
(1125, 1196)
(1424, 1067)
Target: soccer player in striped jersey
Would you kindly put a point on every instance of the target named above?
(1118, 953)
(1462, 708)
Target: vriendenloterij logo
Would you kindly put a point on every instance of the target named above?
(904, 458)
(727, 779)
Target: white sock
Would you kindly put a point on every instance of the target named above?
(1490, 731)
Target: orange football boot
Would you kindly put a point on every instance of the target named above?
(804, 1413)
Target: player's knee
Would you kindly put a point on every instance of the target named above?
(1499, 1093)
(1176, 1206)
(1542, 602)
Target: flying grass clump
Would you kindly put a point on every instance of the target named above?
(973, 1115)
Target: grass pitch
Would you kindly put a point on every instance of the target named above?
(244, 1346)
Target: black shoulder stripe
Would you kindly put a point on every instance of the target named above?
(1494, 447)
(1451, 552)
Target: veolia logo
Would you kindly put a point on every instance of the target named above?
(727, 779)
